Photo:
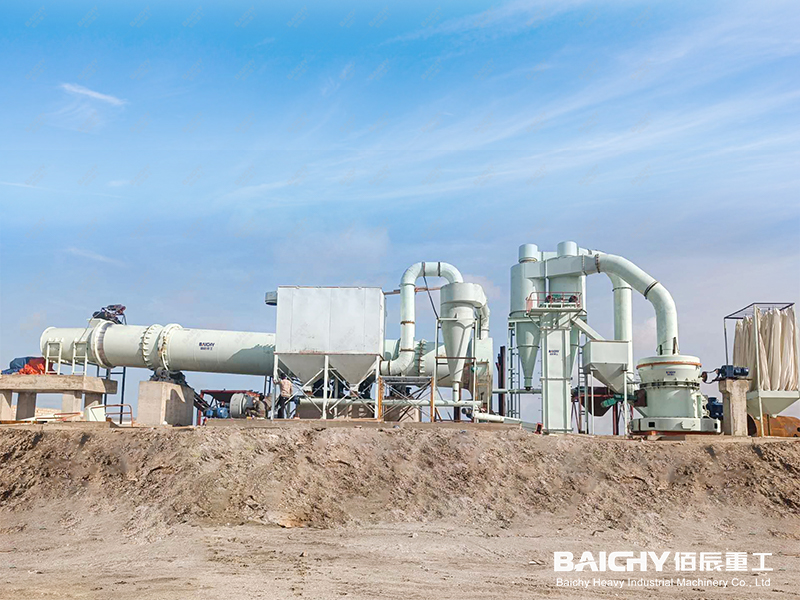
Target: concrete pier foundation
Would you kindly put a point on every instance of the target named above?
(26, 405)
(71, 401)
(73, 389)
(734, 406)
(164, 403)
(6, 413)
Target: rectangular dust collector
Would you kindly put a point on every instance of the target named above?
(346, 324)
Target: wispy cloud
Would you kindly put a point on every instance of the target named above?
(37, 188)
(495, 20)
(94, 256)
(73, 88)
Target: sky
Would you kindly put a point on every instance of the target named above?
(184, 159)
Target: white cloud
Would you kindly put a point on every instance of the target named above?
(93, 256)
(83, 91)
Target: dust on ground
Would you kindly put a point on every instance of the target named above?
(378, 513)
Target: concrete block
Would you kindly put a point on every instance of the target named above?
(26, 405)
(71, 402)
(6, 414)
(93, 399)
(734, 406)
(45, 384)
(163, 403)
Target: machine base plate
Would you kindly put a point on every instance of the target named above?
(674, 425)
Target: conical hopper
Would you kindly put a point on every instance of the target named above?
(528, 335)
(607, 361)
(772, 402)
(303, 366)
(611, 375)
(352, 367)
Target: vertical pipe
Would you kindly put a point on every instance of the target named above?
(475, 368)
(275, 390)
(591, 422)
(625, 401)
(379, 392)
(545, 388)
(566, 381)
(122, 394)
(725, 328)
(325, 389)
(435, 372)
(585, 391)
(623, 315)
(501, 377)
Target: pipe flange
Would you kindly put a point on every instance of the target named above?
(692, 385)
(96, 343)
(148, 346)
(650, 287)
(163, 340)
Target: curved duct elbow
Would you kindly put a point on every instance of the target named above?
(403, 362)
(408, 282)
(650, 288)
(431, 269)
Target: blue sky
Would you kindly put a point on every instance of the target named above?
(183, 160)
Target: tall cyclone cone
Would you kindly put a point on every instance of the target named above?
(458, 302)
(528, 346)
(522, 288)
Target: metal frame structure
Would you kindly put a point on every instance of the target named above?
(514, 389)
(327, 402)
(550, 312)
(426, 397)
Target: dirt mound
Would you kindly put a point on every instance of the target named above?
(332, 476)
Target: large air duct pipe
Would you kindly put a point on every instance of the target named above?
(171, 347)
(408, 282)
(623, 315)
(650, 288)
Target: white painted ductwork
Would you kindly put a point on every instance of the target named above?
(408, 283)
(650, 288)
(458, 303)
(623, 314)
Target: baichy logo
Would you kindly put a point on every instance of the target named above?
(206, 345)
(683, 561)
